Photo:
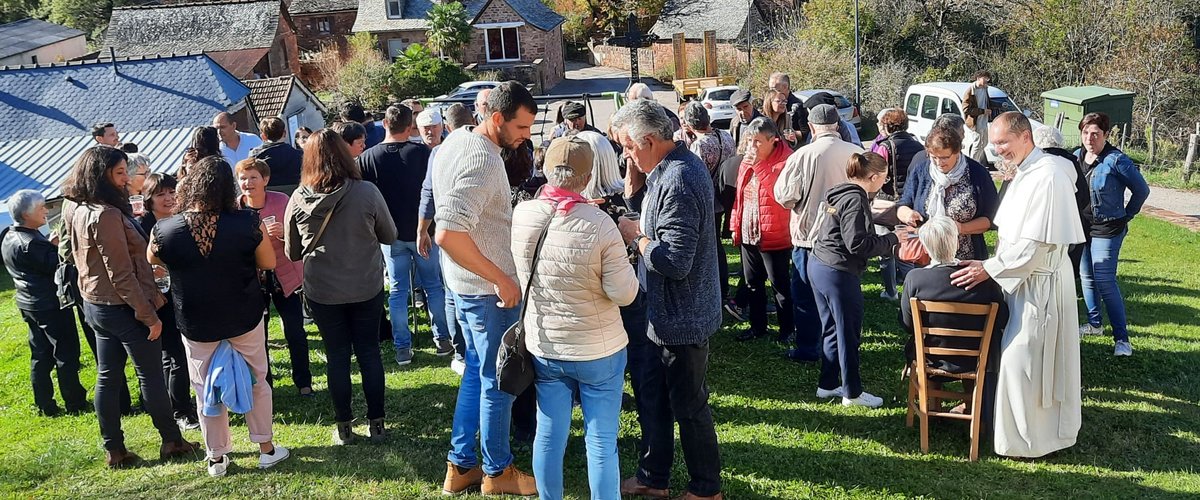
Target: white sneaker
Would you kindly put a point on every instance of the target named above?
(218, 469)
(830, 393)
(1123, 348)
(266, 461)
(1090, 329)
(864, 399)
(458, 366)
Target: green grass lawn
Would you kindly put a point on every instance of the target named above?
(1140, 437)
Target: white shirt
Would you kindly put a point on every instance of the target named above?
(248, 141)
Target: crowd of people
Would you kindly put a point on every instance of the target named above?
(606, 247)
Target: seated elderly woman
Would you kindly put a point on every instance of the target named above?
(31, 260)
(574, 286)
(932, 283)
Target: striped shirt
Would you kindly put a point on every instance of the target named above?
(471, 195)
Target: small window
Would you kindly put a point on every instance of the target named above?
(949, 106)
(396, 48)
(910, 106)
(33, 59)
(502, 44)
(929, 107)
(393, 9)
(323, 26)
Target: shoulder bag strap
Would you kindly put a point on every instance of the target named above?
(321, 230)
(537, 253)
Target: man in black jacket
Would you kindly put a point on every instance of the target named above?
(283, 159)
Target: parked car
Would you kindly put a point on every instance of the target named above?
(846, 109)
(924, 102)
(467, 90)
(716, 100)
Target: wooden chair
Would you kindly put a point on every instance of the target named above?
(920, 395)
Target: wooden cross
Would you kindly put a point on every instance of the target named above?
(633, 39)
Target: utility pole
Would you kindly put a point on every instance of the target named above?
(857, 61)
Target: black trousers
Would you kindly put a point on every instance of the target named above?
(669, 385)
(291, 313)
(757, 267)
(89, 335)
(119, 335)
(54, 345)
(347, 328)
(174, 364)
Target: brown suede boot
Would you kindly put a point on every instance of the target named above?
(173, 449)
(510, 482)
(633, 487)
(457, 483)
(120, 459)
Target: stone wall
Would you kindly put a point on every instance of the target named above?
(405, 37)
(534, 43)
(660, 57)
(309, 37)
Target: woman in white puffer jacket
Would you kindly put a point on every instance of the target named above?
(572, 319)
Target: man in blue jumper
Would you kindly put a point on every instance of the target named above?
(677, 248)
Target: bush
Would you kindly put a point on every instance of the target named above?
(884, 86)
(418, 73)
(363, 77)
(809, 66)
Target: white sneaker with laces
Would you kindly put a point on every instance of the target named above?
(266, 461)
(830, 393)
(1123, 348)
(218, 469)
(1090, 329)
(458, 366)
(865, 399)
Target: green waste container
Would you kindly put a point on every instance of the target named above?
(1075, 102)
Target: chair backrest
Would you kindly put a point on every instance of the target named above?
(920, 331)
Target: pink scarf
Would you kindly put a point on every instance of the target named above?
(562, 199)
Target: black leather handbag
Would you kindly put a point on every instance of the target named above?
(514, 363)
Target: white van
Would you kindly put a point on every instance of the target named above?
(924, 102)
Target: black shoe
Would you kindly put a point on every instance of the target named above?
(783, 339)
(750, 335)
(376, 430)
(628, 403)
(52, 411)
(732, 308)
(444, 347)
(799, 357)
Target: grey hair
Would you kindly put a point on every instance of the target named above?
(695, 116)
(606, 174)
(641, 119)
(22, 202)
(567, 178)
(762, 125)
(137, 161)
(827, 128)
(940, 237)
(639, 90)
(1047, 137)
(951, 120)
(778, 77)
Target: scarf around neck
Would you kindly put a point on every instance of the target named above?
(563, 200)
(936, 205)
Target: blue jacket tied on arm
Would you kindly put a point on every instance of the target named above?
(229, 382)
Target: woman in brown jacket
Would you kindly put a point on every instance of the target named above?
(120, 299)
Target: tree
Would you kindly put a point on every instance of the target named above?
(417, 73)
(88, 16)
(15, 10)
(364, 76)
(449, 29)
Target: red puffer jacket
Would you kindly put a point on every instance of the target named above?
(773, 219)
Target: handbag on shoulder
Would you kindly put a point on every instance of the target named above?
(514, 363)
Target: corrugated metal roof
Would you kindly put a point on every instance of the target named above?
(28, 34)
(43, 164)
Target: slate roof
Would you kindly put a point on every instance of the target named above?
(269, 96)
(372, 14)
(28, 34)
(694, 17)
(151, 93)
(193, 27)
(318, 6)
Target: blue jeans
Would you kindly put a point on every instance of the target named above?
(840, 299)
(1098, 274)
(806, 317)
(893, 271)
(401, 258)
(482, 408)
(599, 383)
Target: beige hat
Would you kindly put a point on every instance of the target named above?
(429, 117)
(571, 152)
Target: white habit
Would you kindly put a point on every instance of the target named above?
(1038, 389)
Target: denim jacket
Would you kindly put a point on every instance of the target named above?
(1112, 175)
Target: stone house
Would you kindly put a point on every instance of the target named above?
(323, 22)
(522, 39)
(32, 41)
(249, 38)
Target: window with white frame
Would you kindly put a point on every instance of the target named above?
(502, 41)
(393, 9)
(323, 26)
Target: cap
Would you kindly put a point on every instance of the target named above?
(571, 152)
(819, 98)
(429, 118)
(572, 110)
(739, 96)
(823, 114)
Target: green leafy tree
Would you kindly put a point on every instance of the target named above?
(88, 16)
(364, 76)
(15, 10)
(449, 29)
(418, 73)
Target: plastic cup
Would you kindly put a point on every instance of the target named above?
(137, 202)
(633, 216)
(268, 220)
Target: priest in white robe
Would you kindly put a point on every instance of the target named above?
(1038, 400)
